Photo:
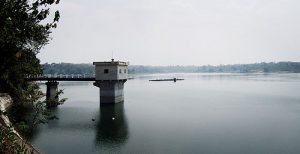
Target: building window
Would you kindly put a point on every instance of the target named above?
(120, 71)
(105, 71)
(124, 70)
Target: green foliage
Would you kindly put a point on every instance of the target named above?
(9, 142)
(22, 35)
(23, 32)
(56, 99)
(41, 113)
(28, 116)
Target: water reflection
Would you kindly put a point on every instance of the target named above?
(25, 118)
(112, 128)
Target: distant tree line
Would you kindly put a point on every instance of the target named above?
(283, 67)
(68, 68)
(291, 67)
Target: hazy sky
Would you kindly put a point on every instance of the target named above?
(176, 32)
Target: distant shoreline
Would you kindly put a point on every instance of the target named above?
(88, 69)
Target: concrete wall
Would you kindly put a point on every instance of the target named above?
(124, 72)
(115, 72)
(111, 91)
(111, 82)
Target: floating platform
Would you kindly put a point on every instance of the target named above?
(174, 79)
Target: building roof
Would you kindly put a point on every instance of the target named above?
(111, 63)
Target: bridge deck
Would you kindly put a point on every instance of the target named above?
(61, 79)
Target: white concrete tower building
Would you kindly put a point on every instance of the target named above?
(110, 78)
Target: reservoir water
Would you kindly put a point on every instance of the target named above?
(205, 113)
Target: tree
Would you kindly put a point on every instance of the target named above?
(23, 32)
(22, 35)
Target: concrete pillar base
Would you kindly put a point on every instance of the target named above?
(111, 91)
(51, 94)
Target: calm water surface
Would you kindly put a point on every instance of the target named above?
(205, 113)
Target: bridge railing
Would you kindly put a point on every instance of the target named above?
(59, 76)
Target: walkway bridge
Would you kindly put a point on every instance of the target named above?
(109, 77)
(60, 77)
(52, 83)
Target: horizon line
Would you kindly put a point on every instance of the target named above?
(184, 65)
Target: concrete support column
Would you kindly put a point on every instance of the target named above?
(51, 97)
(111, 91)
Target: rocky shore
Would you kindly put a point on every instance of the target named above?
(5, 105)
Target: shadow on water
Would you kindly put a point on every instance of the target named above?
(104, 127)
(112, 128)
(22, 117)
